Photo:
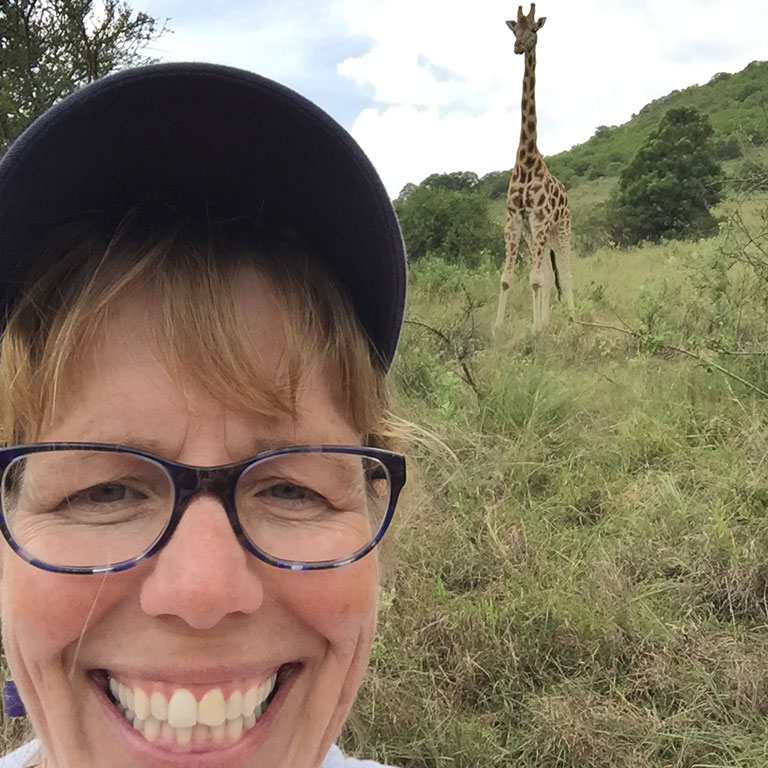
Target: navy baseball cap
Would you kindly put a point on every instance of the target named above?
(204, 134)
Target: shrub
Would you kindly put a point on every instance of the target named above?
(451, 224)
(728, 149)
(752, 176)
(591, 230)
(494, 185)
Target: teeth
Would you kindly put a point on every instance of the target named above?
(234, 729)
(182, 709)
(168, 732)
(235, 705)
(249, 701)
(158, 706)
(140, 704)
(212, 709)
(183, 720)
(152, 728)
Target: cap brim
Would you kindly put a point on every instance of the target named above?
(231, 139)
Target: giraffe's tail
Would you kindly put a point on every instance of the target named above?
(557, 274)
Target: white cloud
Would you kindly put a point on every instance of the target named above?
(407, 144)
(435, 84)
(447, 84)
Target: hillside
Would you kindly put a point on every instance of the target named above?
(736, 105)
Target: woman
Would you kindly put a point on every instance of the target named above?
(203, 281)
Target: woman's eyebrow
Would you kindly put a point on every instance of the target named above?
(140, 443)
(159, 447)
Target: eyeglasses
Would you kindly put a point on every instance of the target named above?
(96, 508)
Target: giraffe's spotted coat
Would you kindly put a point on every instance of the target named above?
(537, 203)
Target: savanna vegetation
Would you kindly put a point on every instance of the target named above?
(581, 575)
(580, 578)
(49, 48)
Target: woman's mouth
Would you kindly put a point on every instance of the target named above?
(191, 717)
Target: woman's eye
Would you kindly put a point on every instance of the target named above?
(109, 492)
(290, 492)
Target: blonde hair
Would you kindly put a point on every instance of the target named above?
(192, 270)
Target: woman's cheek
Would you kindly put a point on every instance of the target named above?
(338, 603)
(48, 611)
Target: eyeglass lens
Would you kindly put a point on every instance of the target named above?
(81, 508)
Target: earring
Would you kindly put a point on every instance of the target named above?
(14, 706)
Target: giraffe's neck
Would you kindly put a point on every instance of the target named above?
(528, 140)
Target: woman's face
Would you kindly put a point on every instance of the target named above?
(202, 614)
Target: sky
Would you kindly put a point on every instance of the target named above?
(433, 86)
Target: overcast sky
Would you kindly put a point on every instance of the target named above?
(431, 86)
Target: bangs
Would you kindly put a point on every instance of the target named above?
(195, 284)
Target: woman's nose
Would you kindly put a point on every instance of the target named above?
(203, 574)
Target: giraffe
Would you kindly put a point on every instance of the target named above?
(537, 206)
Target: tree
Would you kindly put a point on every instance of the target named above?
(458, 181)
(673, 180)
(50, 48)
(494, 185)
(452, 224)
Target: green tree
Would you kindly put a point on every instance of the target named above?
(673, 180)
(49, 48)
(451, 224)
(494, 185)
(458, 181)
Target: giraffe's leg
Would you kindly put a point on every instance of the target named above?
(564, 259)
(512, 231)
(542, 278)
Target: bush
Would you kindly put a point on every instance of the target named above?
(752, 176)
(728, 149)
(591, 230)
(494, 185)
(451, 224)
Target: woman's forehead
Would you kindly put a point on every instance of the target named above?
(142, 317)
(143, 361)
(126, 391)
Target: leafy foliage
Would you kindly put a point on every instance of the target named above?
(752, 176)
(494, 185)
(450, 222)
(668, 188)
(458, 181)
(49, 48)
(735, 103)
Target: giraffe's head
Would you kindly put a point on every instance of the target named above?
(525, 29)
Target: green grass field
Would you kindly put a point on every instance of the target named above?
(584, 583)
(578, 576)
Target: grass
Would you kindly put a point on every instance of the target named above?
(585, 585)
(582, 582)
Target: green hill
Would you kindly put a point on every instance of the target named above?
(736, 105)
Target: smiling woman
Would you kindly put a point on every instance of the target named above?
(203, 281)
